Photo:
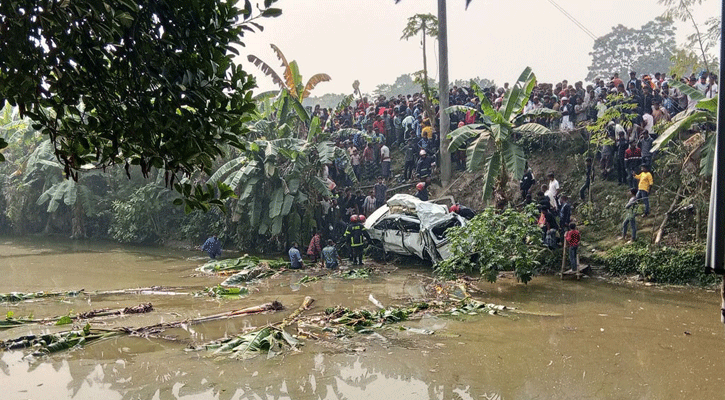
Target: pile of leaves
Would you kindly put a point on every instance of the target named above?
(473, 307)
(270, 340)
(361, 318)
(245, 262)
(55, 342)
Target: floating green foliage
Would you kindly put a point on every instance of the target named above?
(19, 296)
(360, 319)
(55, 342)
(473, 307)
(269, 340)
(64, 320)
(308, 279)
(244, 262)
(226, 292)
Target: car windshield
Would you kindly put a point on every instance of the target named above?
(440, 230)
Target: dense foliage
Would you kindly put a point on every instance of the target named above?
(495, 241)
(660, 264)
(164, 93)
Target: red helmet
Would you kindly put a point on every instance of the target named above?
(420, 186)
(353, 218)
(454, 208)
(361, 218)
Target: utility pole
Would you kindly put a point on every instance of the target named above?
(444, 156)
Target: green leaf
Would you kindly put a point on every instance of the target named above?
(514, 157)
(459, 136)
(681, 122)
(493, 166)
(532, 128)
(271, 13)
(692, 93)
(64, 320)
(276, 202)
(476, 153)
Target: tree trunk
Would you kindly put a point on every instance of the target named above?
(78, 230)
(444, 126)
(426, 90)
(660, 231)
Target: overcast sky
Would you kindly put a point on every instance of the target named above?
(494, 39)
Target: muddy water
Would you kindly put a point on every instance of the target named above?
(608, 342)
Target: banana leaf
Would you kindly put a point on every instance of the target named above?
(19, 296)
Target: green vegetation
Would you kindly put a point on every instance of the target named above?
(494, 150)
(658, 264)
(165, 94)
(493, 242)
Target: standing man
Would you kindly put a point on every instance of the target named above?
(356, 234)
(385, 160)
(409, 160)
(573, 237)
(632, 161)
(381, 192)
(588, 180)
(527, 181)
(213, 247)
(425, 165)
(630, 215)
(552, 190)
(645, 183)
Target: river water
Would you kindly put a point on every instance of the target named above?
(605, 342)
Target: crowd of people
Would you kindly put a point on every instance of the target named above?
(375, 132)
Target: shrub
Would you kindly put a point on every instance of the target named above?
(662, 264)
(494, 241)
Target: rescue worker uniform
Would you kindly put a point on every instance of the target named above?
(355, 235)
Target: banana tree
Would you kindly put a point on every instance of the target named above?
(493, 148)
(704, 114)
(291, 80)
(277, 178)
(42, 166)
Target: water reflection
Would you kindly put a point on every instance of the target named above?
(329, 376)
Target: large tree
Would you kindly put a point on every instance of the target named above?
(705, 36)
(647, 49)
(133, 82)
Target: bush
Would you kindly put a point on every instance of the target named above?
(661, 264)
(495, 241)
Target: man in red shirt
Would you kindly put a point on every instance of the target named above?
(572, 238)
(632, 162)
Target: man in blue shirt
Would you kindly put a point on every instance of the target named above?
(213, 247)
(295, 258)
(330, 258)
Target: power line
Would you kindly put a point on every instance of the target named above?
(574, 20)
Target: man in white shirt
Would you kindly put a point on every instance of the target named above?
(649, 122)
(385, 161)
(552, 191)
(711, 90)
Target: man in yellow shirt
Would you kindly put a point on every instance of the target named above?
(427, 131)
(645, 183)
